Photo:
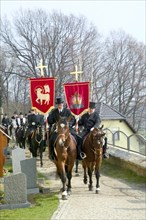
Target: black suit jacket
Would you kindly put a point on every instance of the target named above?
(55, 115)
(89, 121)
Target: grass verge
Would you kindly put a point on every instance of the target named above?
(43, 206)
(116, 171)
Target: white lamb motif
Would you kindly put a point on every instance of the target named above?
(42, 96)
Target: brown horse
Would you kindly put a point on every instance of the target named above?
(65, 155)
(92, 146)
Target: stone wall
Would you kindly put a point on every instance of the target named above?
(128, 159)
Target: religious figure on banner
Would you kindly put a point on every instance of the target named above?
(43, 94)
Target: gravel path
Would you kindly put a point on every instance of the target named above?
(117, 200)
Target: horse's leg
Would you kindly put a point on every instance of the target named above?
(62, 172)
(97, 173)
(85, 172)
(23, 143)
(76, 169)
(69, 177)
(41, 155)
(90, 171)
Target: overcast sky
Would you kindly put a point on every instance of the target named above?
(129, 16)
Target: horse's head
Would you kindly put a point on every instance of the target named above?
(39, 133)
(63, 131)
(97, 135)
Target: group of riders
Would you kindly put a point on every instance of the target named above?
(87, 121)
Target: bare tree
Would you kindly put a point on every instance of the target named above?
(124, 82)
(115, 66)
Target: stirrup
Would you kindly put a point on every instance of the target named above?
(83, 155)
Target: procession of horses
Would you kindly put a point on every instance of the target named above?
(65, 150)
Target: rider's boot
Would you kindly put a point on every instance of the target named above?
(80, 154)
(53, 137)
(51, 156)
(105, 154)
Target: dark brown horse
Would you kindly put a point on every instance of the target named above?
(21, 136)
(37, 143)
(65, 155)
(92, 146)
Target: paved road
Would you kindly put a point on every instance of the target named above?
(117, 200)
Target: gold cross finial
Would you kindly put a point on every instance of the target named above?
(76, 72)
(41, 67)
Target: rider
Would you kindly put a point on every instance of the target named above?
(53, 117)
(89, 120)
(6, 123)
(13, 126)
(21, 120)
(32, 125)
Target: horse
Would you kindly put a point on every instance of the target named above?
(93, 147)
(65, 155)
(21, 136)
(37, 137)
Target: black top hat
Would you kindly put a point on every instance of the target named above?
(59, 100)
(92, 105)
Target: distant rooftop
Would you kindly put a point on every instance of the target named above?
(108, 113)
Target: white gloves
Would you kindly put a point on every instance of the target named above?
(92, 129)
(77, 118)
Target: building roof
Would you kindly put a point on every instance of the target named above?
(108, 113)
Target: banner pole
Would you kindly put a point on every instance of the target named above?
(76, 77)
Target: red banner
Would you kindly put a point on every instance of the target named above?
(42, 93)
(77, 96)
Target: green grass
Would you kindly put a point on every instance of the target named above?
(8, 165)
(42, 207)
(118, 172)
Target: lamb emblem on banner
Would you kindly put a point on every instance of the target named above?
(43, 94)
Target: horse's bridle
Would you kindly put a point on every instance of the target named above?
(38, 141)
(96, 147)
(65, 140)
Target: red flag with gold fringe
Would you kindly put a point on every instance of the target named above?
(42, 93)
(77, 96)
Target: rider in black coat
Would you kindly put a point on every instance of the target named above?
(6, 123)
(32, 125)
(53, 117)
(89, 120)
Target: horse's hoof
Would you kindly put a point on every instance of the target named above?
(97, 190)
(90, 188)
(69, 193)
(85, 181)
(64, 197)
